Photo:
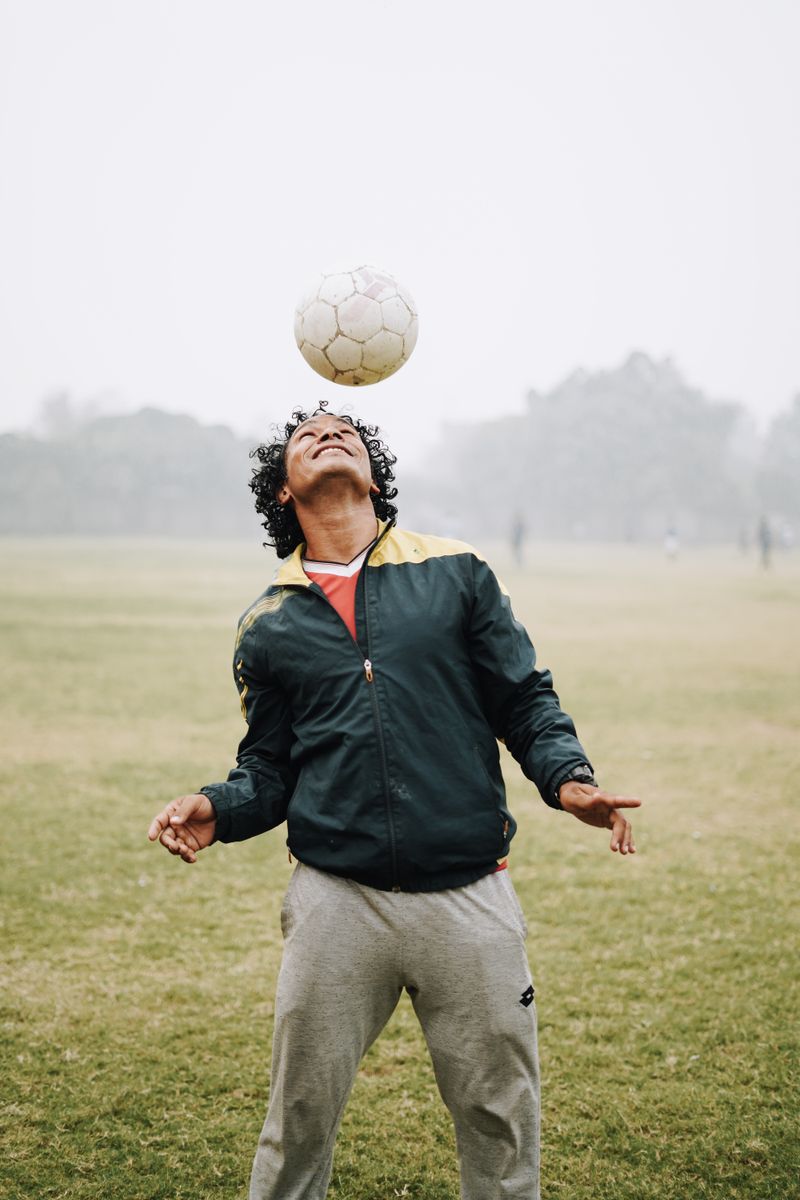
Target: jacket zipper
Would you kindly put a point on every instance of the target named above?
(376, 712)
(369, 675)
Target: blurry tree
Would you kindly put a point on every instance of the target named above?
(58, 416)
(779, 476)
(148, 472)
(621, 455)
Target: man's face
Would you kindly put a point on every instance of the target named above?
(323, 448)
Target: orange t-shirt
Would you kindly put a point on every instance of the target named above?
(341, 591)
(338, 581)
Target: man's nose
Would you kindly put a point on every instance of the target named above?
(329, 433)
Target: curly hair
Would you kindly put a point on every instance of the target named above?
(280, 520)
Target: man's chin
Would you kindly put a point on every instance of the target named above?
(336, 473)
(336, 464)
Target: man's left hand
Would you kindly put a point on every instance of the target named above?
(596, 807)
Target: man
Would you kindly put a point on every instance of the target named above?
(376, 674)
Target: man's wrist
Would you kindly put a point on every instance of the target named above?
(582, 773)
(221, 818)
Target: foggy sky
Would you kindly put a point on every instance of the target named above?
(557, 184)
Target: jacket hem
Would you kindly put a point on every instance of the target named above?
(442, 881)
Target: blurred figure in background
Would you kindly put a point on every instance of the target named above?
(517, 536)
(671, 544)
(764, 536)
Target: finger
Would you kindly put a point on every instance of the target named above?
(163, 819)
(157, 824)
(169, 841)
(189, 808)
(596, 799)
(188, 839)
(185, 851)
(617, 823)
(625, 801)
(178, 847)
(625, 839)
(181, 809)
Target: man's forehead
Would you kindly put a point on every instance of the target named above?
(317, 417)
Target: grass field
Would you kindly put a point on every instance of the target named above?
(137, 991)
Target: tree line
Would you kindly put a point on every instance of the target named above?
(149, 473)
(625, 454)
(622, 455)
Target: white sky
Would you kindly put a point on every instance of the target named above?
(557, 184)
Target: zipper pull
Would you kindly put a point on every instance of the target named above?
(368, 670)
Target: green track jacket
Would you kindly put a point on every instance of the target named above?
(382, 754)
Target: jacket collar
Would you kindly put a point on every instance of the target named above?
(290, 572)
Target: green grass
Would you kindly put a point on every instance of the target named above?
(137, 991)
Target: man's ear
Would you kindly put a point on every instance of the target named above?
(283, 495)
(374, 490)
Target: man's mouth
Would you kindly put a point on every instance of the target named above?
(327, 449)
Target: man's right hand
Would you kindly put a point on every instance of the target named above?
(185, 826)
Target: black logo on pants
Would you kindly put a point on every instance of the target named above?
(527, 996)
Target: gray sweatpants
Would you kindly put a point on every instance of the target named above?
(349, 951)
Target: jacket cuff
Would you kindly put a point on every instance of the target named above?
(222, 828)
(561, 776)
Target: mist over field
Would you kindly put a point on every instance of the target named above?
(633, 454)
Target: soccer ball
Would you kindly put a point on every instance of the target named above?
(356, 327)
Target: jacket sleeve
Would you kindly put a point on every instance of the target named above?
(520, 703)
(256, 794)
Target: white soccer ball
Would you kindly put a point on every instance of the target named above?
(356, 327)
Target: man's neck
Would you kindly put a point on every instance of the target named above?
(337, 533)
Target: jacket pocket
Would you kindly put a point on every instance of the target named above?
(495, 801)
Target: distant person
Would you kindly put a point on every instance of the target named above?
(376, 673)
(764, 535)
(671, 544)
(517, 537)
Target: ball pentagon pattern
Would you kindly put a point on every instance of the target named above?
(356, 327)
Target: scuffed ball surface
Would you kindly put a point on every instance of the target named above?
(356, 327)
